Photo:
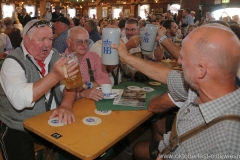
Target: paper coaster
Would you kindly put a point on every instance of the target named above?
(91, 121)
(134, 88)
(147, 89)
(107, 112)
(155, 83)
(54, 122)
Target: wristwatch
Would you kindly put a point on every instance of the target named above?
(162, 38)
(89, 85)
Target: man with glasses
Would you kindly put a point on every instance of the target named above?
(61, 27)
(132, 42)
(93, 72)
(30, 86)
(171, 32)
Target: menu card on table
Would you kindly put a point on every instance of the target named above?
(131, 98)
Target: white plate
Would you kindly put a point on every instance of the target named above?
(106, 112)
(147, 89)
(54, 122)
(134, 88)
(91, 120)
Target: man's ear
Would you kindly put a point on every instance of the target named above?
(26, 38)
(201, 71)
(167, 30)
(138, 30)
(68, 42)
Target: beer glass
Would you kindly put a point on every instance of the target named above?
(76, 80)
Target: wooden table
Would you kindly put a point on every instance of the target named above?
(84, 141)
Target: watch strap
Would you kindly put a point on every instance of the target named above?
(89, 85)
(162, 38)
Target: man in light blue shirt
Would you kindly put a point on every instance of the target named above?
(188, 19)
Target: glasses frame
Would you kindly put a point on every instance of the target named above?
(80, 42)
(39, 24)
(131, 30)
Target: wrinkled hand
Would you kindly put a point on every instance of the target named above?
(122, 50)
(161, 32)
(133, 42)
(61, 65)
(64, 113)
(93, 93)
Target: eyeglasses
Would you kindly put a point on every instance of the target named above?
(80, 42)
(39, 24)
(175, 27)
(132, 29)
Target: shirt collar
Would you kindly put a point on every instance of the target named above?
(218, 107)
(124, 38)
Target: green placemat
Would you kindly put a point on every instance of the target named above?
(107, 104)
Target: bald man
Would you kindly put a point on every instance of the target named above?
(210, 63)
(93, 71)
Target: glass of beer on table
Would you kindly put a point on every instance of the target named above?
(76, 80)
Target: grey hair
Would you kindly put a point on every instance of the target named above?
(214, 51)
(28, 25)
(92, 24)
(75, 28)
(217, 25)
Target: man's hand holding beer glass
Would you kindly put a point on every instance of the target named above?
(61, 69)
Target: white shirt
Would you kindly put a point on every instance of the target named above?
(15, 86)
(178, 104)
(122, 33)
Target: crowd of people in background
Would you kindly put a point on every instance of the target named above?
(185, 24)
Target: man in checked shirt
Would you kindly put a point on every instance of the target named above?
(210, 59)
(78, 41)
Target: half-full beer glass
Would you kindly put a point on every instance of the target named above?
(76, 80)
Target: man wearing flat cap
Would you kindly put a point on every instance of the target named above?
(30, 85)
(61, 27)
(56, 14)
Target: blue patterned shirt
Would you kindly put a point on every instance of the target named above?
(188, 20)
(60, 43)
